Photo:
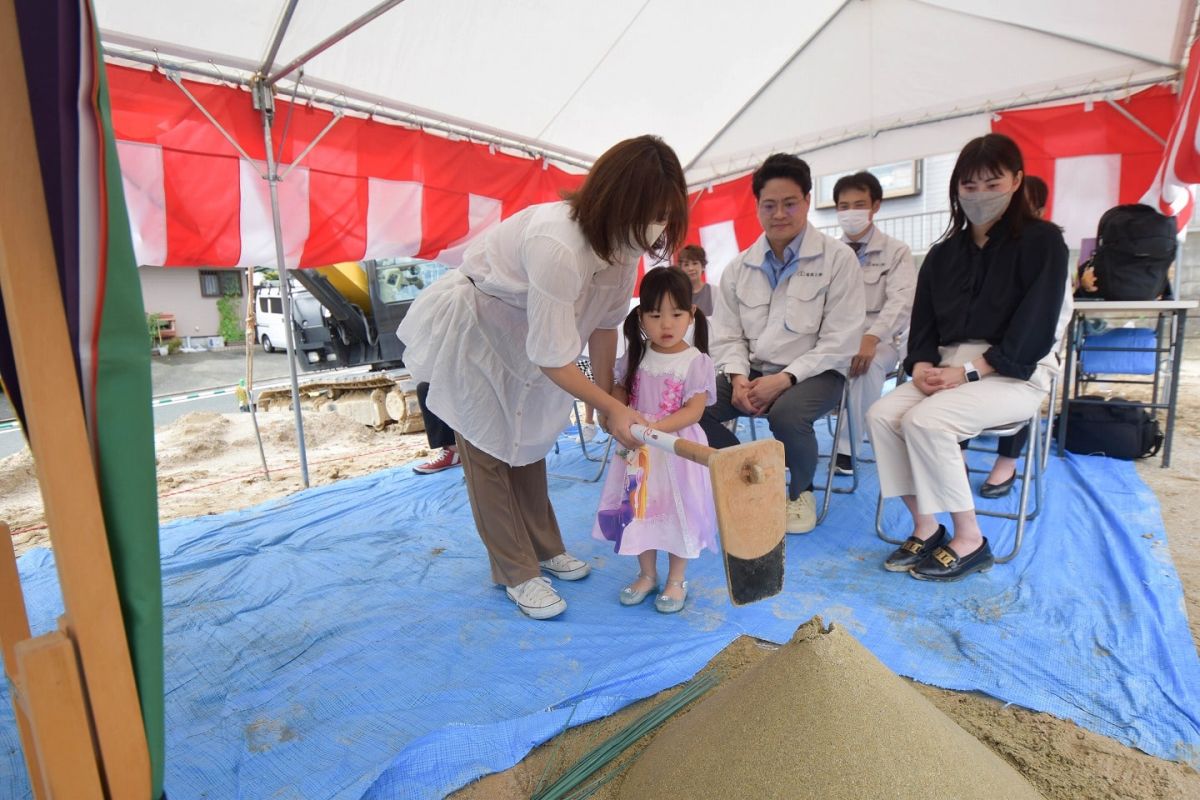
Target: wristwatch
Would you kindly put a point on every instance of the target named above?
(972, 373)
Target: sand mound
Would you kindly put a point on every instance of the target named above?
(17, 473)
(321, 428)
(819, 718)
(195, 436)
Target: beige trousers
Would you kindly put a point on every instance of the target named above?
(916, 436)
(512, 514)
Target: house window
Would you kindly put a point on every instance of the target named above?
(219, 284)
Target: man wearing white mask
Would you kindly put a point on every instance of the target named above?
(889, 280)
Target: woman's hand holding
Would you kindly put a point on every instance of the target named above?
(618, 426)
(952, 377)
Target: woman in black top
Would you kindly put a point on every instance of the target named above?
(979, 353)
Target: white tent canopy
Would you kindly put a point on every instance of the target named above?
(849, 82)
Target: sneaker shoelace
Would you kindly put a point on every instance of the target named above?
(538, 592)
(562, 562)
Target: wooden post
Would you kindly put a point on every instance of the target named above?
(62, 453)
(14, 627)
(62, 736)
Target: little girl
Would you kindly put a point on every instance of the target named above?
(653, 500)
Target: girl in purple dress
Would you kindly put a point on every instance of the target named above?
(653, 500)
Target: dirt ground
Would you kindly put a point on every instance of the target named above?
(209, 463)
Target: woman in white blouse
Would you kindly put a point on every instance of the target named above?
(497, 341)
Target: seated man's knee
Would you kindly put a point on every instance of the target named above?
(784, 419)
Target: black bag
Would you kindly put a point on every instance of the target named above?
(1134, 250)
(1124, 432)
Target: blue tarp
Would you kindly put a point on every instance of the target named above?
(346, 642)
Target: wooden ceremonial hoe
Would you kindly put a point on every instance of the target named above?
(751, 497)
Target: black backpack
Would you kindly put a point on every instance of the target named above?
(1124, 432)
(1134, 249)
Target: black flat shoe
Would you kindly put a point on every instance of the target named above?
(914, 551)
(943, 564)
(995, 490)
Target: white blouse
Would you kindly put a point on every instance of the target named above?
(528, 295)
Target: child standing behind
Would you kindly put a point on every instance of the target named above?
(653, 500)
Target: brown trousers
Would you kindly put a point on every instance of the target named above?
(512, 514)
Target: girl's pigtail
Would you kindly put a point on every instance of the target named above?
(700, 333)
(635, 348)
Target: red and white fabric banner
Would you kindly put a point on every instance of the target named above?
(1091, 155)
(368, 189)
(724, 221)
(1171, 191)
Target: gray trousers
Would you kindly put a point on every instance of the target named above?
(791, 418)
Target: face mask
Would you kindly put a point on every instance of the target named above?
(983, 207)
(654, 230)
(854, 221)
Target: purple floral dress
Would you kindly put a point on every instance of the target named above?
(654, 500)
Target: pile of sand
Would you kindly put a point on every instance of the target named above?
(17, 474)
(821, 718)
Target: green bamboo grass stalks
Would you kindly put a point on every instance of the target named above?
(568, 786)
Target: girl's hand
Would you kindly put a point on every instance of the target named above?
(618, 425)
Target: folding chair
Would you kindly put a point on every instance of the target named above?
(602, 459)
(843, 418)
(1034, 458)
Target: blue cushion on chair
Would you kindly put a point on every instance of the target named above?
(1105, 362)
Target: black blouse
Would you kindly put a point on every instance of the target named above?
(1008, 293)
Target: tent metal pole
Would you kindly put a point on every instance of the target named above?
(174, 78)
(281, 27)
(263, 99)
(334, 98)
(337, 116)
(330, 41)
(1143, 127)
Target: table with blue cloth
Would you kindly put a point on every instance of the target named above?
(1107, 357)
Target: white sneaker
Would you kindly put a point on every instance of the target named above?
(536, 598)
(587, 431)
(802, 513)
(567, 567)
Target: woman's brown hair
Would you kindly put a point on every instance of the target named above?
(635, 183)
(693, 252)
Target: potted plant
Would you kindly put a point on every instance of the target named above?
(154, 328)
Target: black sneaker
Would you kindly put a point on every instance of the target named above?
(943, 564)
(843, 465)
(914, 551)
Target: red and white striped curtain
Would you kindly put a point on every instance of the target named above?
(1171, 190)
(367, 190)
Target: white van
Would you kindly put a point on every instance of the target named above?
(269, 330)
